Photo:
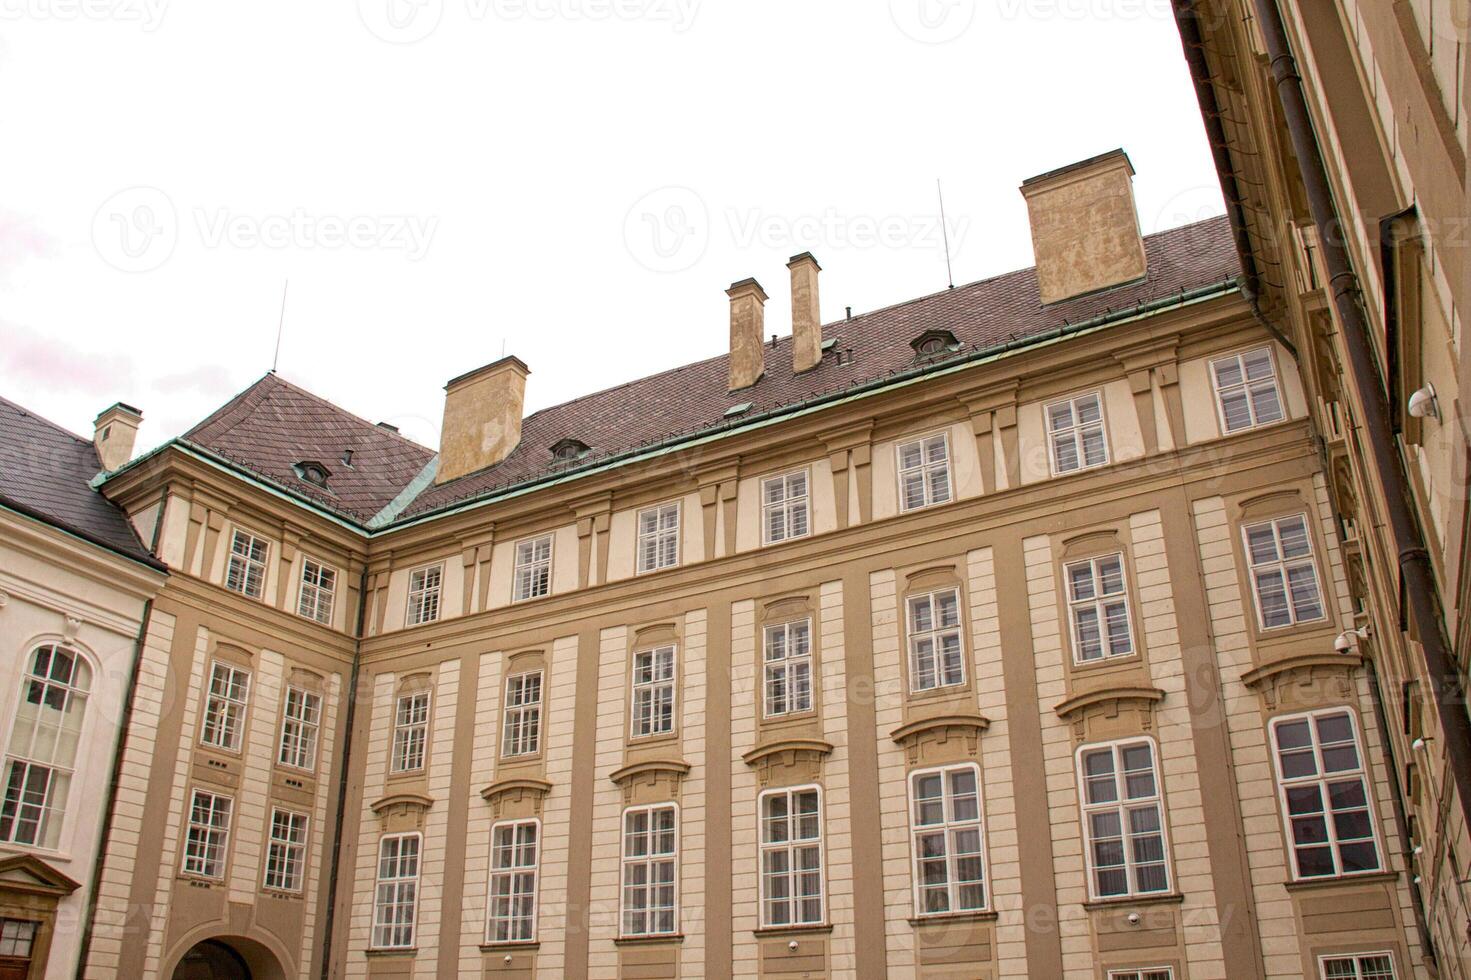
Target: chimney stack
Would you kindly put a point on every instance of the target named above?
(1085, 228)
(115, 431)
(482, 418)
(806, 315)
(747, 321)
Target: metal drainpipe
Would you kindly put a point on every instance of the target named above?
(90, 909)
(329, 920)
(1210, 112)
(1417, 580)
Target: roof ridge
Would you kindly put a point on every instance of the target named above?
(80, 440)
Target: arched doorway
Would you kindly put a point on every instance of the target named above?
(228, 958)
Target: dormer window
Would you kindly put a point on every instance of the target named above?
(310, 471)
(567, 450)
(933, 343)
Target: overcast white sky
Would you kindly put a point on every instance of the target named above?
(578, 180)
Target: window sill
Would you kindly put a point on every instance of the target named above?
(670, 939)
(816, 929)
(404, 953)
(511, 945)
(1338, 881)
(199, 881)
(282, 894)
(1163, 898)
(949, 918)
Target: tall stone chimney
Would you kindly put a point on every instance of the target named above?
(747, 321)
(482, 418)
(806, 313)
(1085, 228)
(116, 429)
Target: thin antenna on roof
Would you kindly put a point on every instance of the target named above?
(944, 231)
(280, 325)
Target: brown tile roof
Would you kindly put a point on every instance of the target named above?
(46, 473)
(273, 424)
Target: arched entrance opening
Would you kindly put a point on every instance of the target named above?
(228, 958)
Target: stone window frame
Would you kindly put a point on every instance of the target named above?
(1071, 400)
(1364, 772)
(1357, 956)
(437, 590)
(236, 660)
(410, 686)
(930, 580)
(779, 612)
(85, 656)
(924, 467)
(310, 684)
(643, 640)
(1271, 506)
(784, 478)
(1161, 801)
(237, 530)
(271, 841)
(824, 895)
(302, 585)
(218, 793)
(1164, 971)
(982, 825)
(532, 565)
(639, 568)
(1239, 355)
(624, 860)
(492, 872)
(522, 664)
(1088, 545)
(378, 883)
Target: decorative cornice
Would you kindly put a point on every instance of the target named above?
(1081, 702)
(675, 769)
(505, 787)
(48, 881)
(1267, 674)
(416, 801)
(797, 747)
(942, 725)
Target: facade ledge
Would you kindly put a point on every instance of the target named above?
(1163, 898)
(940, 726)
(518, 787)
(819, 929)
(1267, 674)
(1341, 881)
(526, 945)
(796, 746)
(654, 769)
(951, 918)
(392, 954)
(1079, 703)
(29, 874)
(413, 801)
(672, 939)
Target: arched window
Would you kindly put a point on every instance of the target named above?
(42, 750)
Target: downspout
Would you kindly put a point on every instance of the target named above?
(124, 723)
(1417, 580)
(1215, 131)
(329, 920)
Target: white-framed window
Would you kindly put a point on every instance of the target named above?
(1324, 787)
(246, 571)
(936, 653)
(1357, 966)
(1246, 390)
(224, 707)
(1075, 433)
(785, 510)
(301, 720)
(396, 897)
(208, 838)
(533, 577)
(286, 851)
(18, 936)
(948, 840)
(1098, 606)
(40, 758)
(1145, 973)
(924, 472)
(318, 591)
(650, 894)
(1123, 819)
(522, 728)
(658, 537)
(410, 731)
(424, 587)
(1284, 576)
(515, 848)
(792, 889)
(653, 691)
(788, 675)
